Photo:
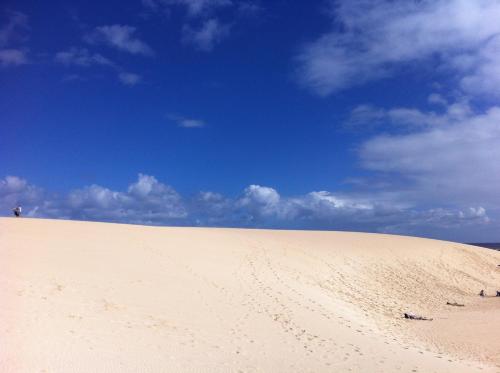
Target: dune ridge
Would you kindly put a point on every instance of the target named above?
(103, 297)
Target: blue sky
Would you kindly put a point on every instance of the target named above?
(354, 115)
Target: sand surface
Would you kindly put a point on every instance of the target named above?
(95, 297)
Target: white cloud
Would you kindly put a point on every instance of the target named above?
(121, 37)
(147, 201)
(202, 26)
(12, 184)
(249, 8)
(200, 7)
(482, 76)
(11, 33)
(129, 79)
(191, 123)
(187, 122)
(456, 159)
(369, 116)
(210, 208)
(207, 36)
(437, 99)
(442, 219)
(366, 116)
(12, 57)
(81, 57)
(261, 200)
(372, 39)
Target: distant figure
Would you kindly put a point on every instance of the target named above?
(481, 293)
(17, 211)
(455, 304)
(411, 316)
(498, 293)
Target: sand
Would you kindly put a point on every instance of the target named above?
(97, 297)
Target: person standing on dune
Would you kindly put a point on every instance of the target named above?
(17, 211)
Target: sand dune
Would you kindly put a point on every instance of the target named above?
(95, 297)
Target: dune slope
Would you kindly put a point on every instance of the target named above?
(96, 297)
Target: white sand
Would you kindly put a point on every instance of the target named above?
(94, 297)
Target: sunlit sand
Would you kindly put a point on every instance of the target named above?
(96, 297)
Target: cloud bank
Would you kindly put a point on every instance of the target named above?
(426, 159)
(148, 201)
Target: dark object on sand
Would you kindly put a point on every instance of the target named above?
(17, 211)
(481, 293)
(498, 293)
(455, 304)
(412, 316)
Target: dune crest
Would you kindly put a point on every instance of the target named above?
(86, 296)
